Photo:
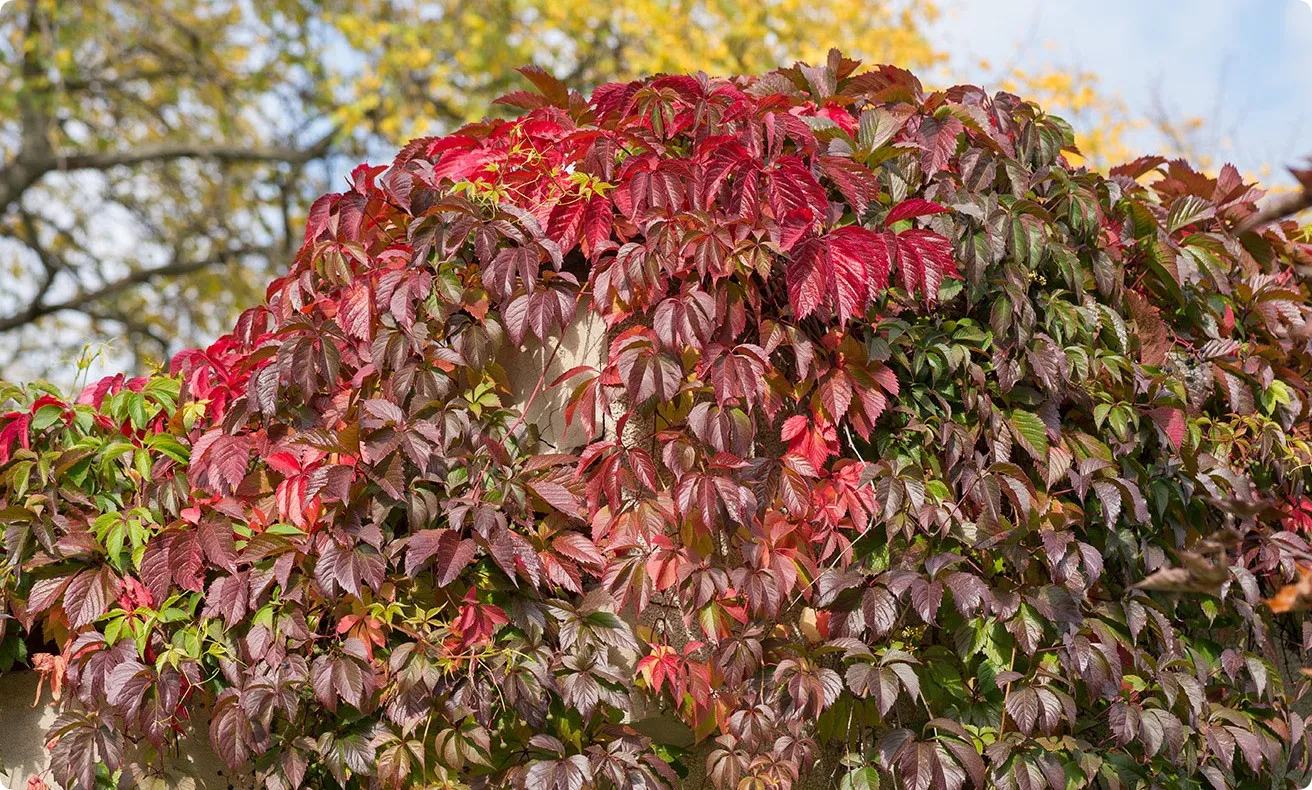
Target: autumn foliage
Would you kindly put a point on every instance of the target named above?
(918, 458)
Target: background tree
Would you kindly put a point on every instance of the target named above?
(158, 155)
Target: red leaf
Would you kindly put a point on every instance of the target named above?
(836, 394)
(792, 188)
(317, 219)
(841, 271)
(228, 597)
(579, 548)
(512, 265)
(88, 595)
(558, 497)
(597, 222)
(218, 461)
(1172, 423)
(859, 186)
(814, 442)
(913, 207)
(545, 311)
(565, 223)
(478, 621)
(686, 321)
(938, 142)
(645, 370)
(216, 540)
(924, 259)
(355, 316)
(452, 553)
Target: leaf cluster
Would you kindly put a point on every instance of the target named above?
(900, 421)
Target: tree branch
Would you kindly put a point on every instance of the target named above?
(1282, 206)
(50, 265)
(24, 171)
(1278, 208)
(37, 309)
(216, 151)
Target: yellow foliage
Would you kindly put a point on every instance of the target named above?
(444, 73)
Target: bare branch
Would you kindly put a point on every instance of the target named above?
(37, 309)
(1283, 206)
(26, 171)
(1278, 208)
(50, 264)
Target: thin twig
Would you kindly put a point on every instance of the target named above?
(1278, 208)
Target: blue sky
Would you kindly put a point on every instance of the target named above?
(1243, 66)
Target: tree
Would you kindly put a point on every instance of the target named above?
(158, 155)
(912, 442)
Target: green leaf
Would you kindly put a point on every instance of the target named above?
(1187, 211)
(136, 409)
(47, 416)
(1030, 431)
(169, 446)
(141, 461)
(865, 778)
(20, 477)
(877, 127)
(113, 629)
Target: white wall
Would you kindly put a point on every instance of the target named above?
(22, 743)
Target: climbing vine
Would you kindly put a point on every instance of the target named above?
(914, 457)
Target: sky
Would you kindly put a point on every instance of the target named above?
(1244, 67)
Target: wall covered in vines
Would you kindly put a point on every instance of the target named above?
(913, 455)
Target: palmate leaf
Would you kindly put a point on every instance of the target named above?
(845, 269)
(841, 271)
(543, 312)
(924, 259)
(219, 460)
(230, 730)
(80, 742)
(687, 320)
(349, 568)
(511, 266)
(647, 371)
(570, 773)
(1173, 424)
(450, 553)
